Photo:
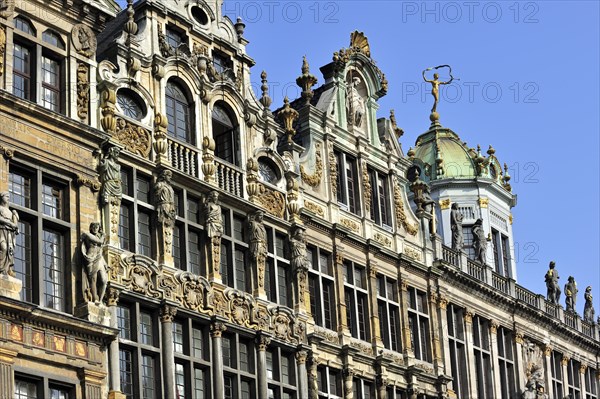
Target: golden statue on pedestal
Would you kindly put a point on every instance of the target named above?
(435, 88)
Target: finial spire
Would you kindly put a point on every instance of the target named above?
(306, 81)
(265, 100)
(288, 115)
(130, 26)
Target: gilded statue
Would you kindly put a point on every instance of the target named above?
(571, 294)
(435, 84)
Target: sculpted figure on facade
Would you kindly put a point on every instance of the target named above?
(588, 310)
(258, 245)
(298, 246)
(479, 241)
(213, 224)
(551, 278)
(571, 294)
(110, 177)
(535, 386)
(435, 85)
(456, 225)
(94, 267)
(165, 199)
(9, 229)
(355, 105)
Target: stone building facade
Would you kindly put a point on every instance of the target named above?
(176, 237)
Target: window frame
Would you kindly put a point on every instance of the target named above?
(417, 319)
(458, 350)
(317, 281)
(484, 379)
(356, 298)
(348, 192)
(177, 99)
(227, 138)
(278, 268)
(390, 331)
(381, 205)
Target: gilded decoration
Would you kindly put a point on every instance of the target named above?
(350, 224)
(333, 172)
(83, 90)
(16, 333)
(483, 202)
(383, 240)
(272, 201)
(314, 208)
(445, 204)
(367, 188)
(314, 179)
(401, 217)
(80, 349)
(59, 343)
(38, 338)
(134, 138)
(564, 361)
(468, 316)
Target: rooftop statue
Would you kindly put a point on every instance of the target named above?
(571, 294)
(479, 241)
(551, 278)
(435, 87)
(456, 221)
(588, 310)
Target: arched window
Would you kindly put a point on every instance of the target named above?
(53, 38)
(24, 26)
(226, 135)
(179, 111)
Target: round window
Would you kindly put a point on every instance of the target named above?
(130, 104)
(199, 15)
(267, 171)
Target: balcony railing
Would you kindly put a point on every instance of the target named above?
(450, 256)
(229, 177)
(183, 157)
(475, 270)
(500, 283)
(526, 296)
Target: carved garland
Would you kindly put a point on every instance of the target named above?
(367, 188)
(400, 213)
(333, 172)
(83, 90)
(315, 179)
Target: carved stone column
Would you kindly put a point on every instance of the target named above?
(519, 362)
(372, 286)
(348, 383)
(341, 304)
(313, 384)
(494, 351)
(442, 304)
(262, 342)
(564, 362)
(216, 333)
(582, 370)
(301, 357)
(548, 367)
(407, 344)
(167, 313)
(468, 316)
(93, 381)
(114, 378)
(7, 359)
(438, 362)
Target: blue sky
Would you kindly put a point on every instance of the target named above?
(529, 86)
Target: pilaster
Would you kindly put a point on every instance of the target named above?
(217, 328)
(167, 314)
(7, 359)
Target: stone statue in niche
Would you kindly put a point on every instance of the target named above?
(94, 267)
(588, 310)
(456, 225)
(165, 198)
(571, 294)
(479, 241)
(298, 246)
(535, 386)
(110, 176)
(551, 278)
(355, 105)
(9, 229)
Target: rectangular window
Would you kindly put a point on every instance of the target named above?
(505, 256)
(180, 387)
(197, 343)
(124, 322)
(23, 260)
(591, 384)
(22, 71)
(418, 322)
(199, 384)
(126, 372)
(483, 358)
(144, 235)
(25, 389)
(574, 379)
(148, 388)
(54, 267)
(146, 335)
(52, 200)
(321, 288)
(388, 312)
(506, 363)
(178, 337)
(357, 309)
(124, 230)
(458, 354)
(380, 211)
(556, 374)
(51, 84)
(347, 183)
(277, 270)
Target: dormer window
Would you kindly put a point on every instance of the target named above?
(226, 134)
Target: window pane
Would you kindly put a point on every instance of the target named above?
(146, 329)
(148, 377)
(178, 337)
(124, 232)
(180, 380)
(144, 235)
(23, 256)
(19, 187)
(53, 253)
(126, 372)
(52, 200)
(124, 322)
(25, 390)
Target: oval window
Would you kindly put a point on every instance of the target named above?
(267, 171)
(130, 104)
(199, 15)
